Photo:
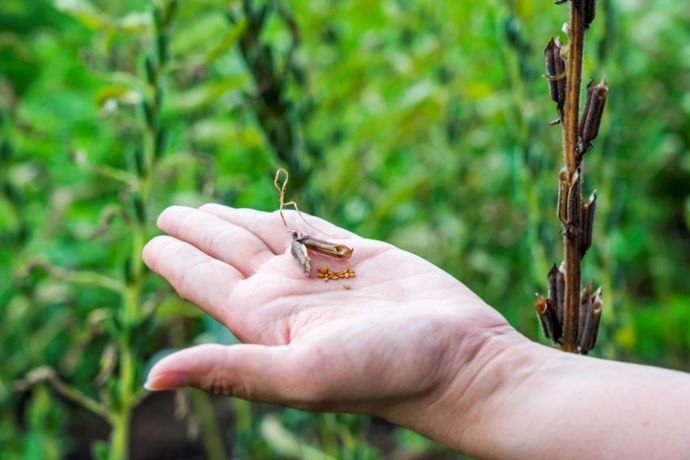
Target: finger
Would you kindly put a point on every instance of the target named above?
(203, 280)
(254, 372)
(269, 227)
(216, 237)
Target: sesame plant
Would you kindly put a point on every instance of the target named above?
(570, 316)
(130, 323)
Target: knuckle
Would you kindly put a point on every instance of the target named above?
(218, 385)
(207, 207)
(167, 212)
(183, 282)
(215, 239)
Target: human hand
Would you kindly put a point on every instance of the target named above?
(406, 339)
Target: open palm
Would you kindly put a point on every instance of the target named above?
(400, 331)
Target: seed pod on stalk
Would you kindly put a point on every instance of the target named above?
(591, 115)
(548, 319)
(588, 209)
(589, 10)
(555, 74)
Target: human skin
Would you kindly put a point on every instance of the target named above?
(408, 343)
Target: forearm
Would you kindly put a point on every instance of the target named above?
(524, 400)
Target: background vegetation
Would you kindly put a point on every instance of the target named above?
(420, 122)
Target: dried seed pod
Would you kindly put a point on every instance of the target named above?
(573, 211)
(588, 222)
(299, 252)
(547, 317)
(560, 293)
(558, 328)
(591, 115)
(585, 109)
(325, 247)
(589, 330)
(562, 208)
(556, 74)
(553, 283)
(597, 307)
(589, 10)
(585, 308)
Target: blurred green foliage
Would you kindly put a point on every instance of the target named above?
(420, 122)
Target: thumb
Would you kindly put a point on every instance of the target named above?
(253, 372)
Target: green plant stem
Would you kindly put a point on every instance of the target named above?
(571, 240)
(128, 398)
(210, 436)
(119, 438)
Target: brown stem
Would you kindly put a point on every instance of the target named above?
(571, 238)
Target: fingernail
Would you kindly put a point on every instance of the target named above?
(166, 382)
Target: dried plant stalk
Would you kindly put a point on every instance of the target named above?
(577, 311)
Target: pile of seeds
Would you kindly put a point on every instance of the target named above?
(327, 275)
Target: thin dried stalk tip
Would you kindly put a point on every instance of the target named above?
(591, 116)
(556, 74)
(588, 210)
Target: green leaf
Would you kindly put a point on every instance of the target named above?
(85, 13)
(122, 94)
(228, 40)
(134, 23)
(206, 94)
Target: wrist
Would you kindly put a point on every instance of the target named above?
(486, 371)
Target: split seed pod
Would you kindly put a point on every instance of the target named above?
(585, 309)
(325, 247)
(588, 222)
(597, 307)
(556, 291)
(562, 208)
(547, 317)
(589, 10)
(301, 244)
(594, 108)
(556, 74)
(299, 252)
(573, 214)
(589, 330)
(560, 292)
